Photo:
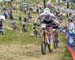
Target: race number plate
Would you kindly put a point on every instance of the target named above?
(70, 40)
(43, 25)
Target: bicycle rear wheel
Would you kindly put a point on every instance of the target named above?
(49, 48)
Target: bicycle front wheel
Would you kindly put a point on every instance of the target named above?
(43, 48)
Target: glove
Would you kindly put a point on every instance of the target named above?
(34, 27)
(35, 24)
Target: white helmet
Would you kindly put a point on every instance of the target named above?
(46, 11)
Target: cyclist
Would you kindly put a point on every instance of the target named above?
(47, 20)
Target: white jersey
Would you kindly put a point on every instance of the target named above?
(71, 28)
(47, 18)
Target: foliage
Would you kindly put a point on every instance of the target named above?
(67, 55)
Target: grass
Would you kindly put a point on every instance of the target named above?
(53, 1)
(13, 37)
(67, 55)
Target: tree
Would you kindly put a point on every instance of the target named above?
(44, 1)
(11, 0)
(73, 1)
(64, 0)
(67, 4)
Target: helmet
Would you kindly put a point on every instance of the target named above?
(46, 11)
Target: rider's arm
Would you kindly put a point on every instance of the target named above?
(37, 18)
(56, 21)
(54, 18)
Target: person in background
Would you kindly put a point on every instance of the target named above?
(29, 16)
(24, 25)
(14, 26)
(71, 26)
(1, 26)
(40, 10)
(37, 9)
(11, 17)
(5, 14)
(59, 17)
(20, 18)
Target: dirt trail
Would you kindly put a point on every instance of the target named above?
(28, 52)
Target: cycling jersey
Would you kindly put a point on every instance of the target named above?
(46, 18)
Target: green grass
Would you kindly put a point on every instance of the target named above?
(13, 37)
(53, 1)
(67, 55)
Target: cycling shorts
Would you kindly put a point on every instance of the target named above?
(50, 24)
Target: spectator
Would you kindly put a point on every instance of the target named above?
(14, 26)
(20, 18)
(24, 26)
(1, 26)
(71, 26)
(29, 16)
(11, 17)
(5, 14)
(37, 9)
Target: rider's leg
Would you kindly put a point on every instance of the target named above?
(51, 33)
(47, 38)
(51, 37)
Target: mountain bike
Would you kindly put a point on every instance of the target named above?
(51, 42)
(46, 43)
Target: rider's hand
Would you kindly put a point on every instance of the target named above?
(34, 28)
(57, 22)
(35, 24)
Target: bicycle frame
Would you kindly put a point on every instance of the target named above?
(47, 39)
(49, 35)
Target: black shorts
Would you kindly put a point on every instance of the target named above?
(50, 24)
